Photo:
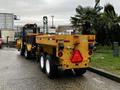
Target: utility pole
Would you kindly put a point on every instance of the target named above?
(52, 21)
(0, 34)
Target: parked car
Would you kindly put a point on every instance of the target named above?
(1, 42)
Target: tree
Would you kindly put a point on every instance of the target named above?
(86, 18)
(111, 20)
(104, 24)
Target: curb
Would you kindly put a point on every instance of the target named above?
(105, 74)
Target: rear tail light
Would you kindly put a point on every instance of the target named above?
(60, 53)
(90, 52)
(60, 48)
(91, 40)
(90, 47)
(76, 57)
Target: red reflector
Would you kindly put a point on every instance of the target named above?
(76, 57)
(90, 40)
(66, 40)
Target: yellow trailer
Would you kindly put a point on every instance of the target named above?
(65, 52)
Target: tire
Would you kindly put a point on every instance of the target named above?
(80, 72)
(42, 62)
(27, 54)
(50, 68)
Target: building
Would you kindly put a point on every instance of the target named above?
(7, 26)
(7, 34)
(6, 21)
(65, 29)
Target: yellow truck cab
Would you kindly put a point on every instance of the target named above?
(26, 43)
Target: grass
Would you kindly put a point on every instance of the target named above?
(104, 59)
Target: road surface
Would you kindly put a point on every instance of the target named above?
(17, 73)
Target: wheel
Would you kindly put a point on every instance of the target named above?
(27, 54)
(42, 62)
(50, 68)
(80, 72)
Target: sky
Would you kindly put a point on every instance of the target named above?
(32, 11)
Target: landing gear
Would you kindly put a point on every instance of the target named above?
(22, 51)
(27, 54)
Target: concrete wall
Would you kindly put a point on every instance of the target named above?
(5, 33)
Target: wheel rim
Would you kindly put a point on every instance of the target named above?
(25, 53)
(47, 66)
(42, 62)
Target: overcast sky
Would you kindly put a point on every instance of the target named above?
(31, 11)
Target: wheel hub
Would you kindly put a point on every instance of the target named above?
(42, 62)
(47, 66)
(25, 53)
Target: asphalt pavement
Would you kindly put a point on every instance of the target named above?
(17, 73)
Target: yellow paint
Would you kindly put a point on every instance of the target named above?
(18, 44)
(29, 47)
(75, 42)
